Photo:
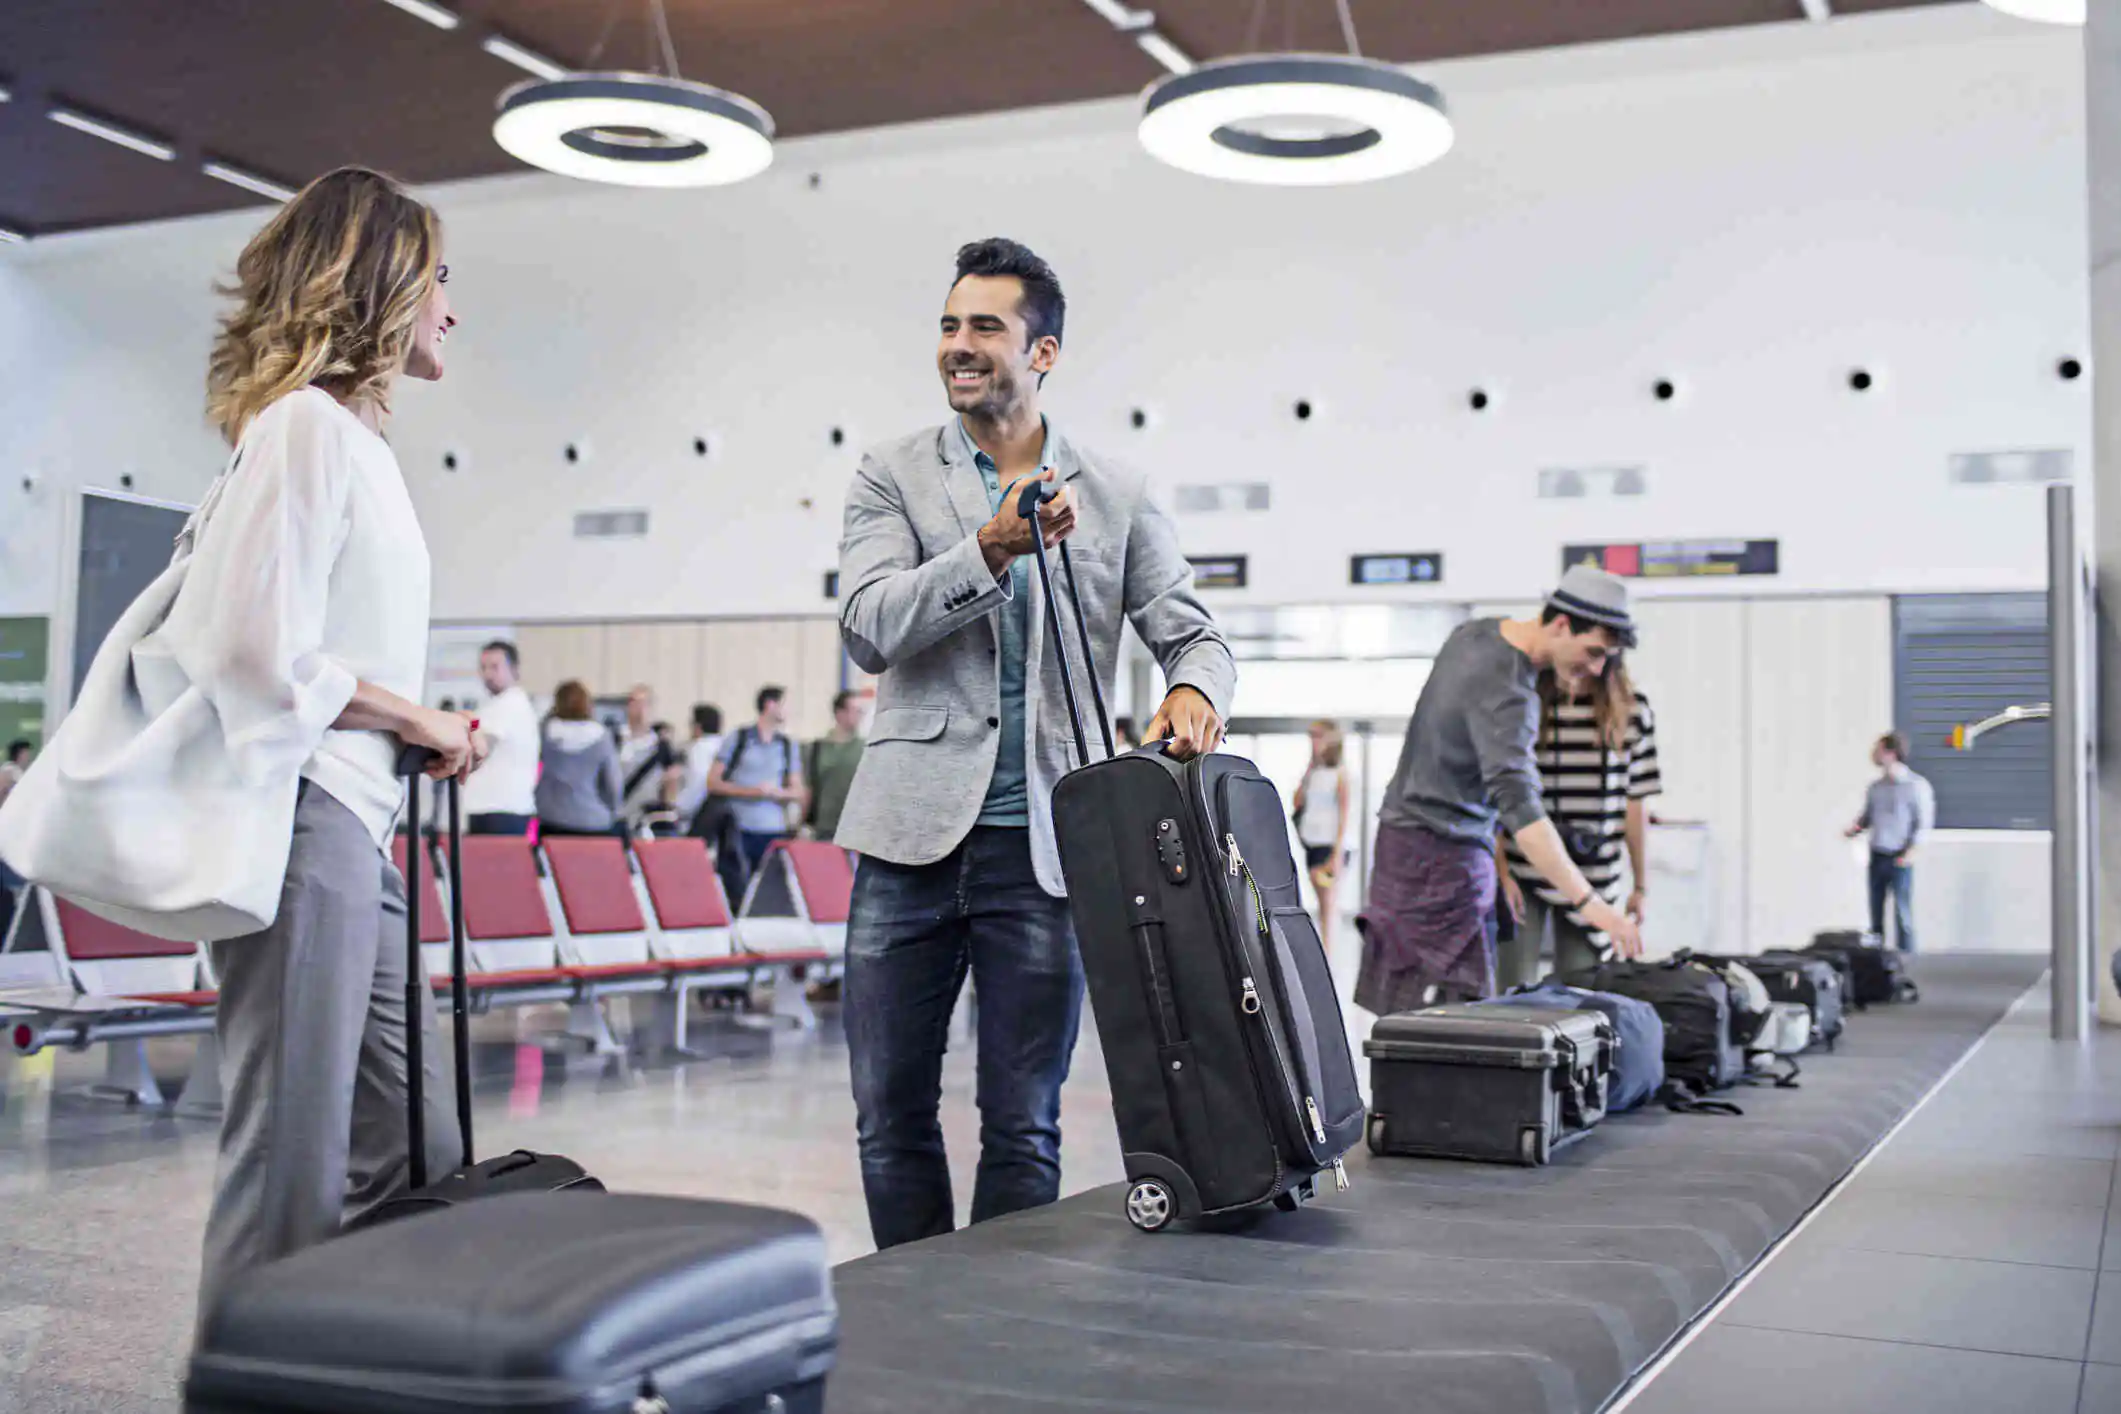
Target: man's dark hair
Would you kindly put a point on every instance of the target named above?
(770, 694)
(1044, 307)
(1578, 625)
(507, 650)
(841, 699)
(707, 718)
(18, 748)
(1895, 742)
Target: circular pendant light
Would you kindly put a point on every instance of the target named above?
(1295, 120)
(2053, 12)
(640, 130)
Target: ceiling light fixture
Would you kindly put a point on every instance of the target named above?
(237, 177)
(528, 60)
(110, 132)
(636, 129)
(2052, 12)
(7, 95)
(10, 236)
(1295, 119)
(424, 10)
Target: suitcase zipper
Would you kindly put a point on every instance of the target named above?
(1260, 924)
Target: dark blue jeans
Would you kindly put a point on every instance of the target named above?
(1897, 881)
(913, 936)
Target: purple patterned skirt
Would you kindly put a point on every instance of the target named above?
(1430, 921)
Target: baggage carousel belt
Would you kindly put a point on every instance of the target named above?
(1429, 1288)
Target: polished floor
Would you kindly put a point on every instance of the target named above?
(101, 1207)
(1973, 1264)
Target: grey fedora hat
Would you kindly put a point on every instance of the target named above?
(1587, 592)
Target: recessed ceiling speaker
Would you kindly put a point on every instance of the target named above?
(839, 436)
(1860, 380)
(2069, 370)
(1478, 399)
(1665, 390)
(1138, 419)
(1303, 409)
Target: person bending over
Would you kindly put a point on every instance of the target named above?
(951, 805)
(1597, 772)
(304, 623)
(1466, 768)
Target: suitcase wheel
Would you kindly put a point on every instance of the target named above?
(1532, 1147)
(1150, 1204)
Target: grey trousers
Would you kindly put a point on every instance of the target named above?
(1519, 958)
(312, 1029)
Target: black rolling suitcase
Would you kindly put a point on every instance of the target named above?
(1877, 974)
(546, 1295)
(1503, 1085)
(1232, 1081)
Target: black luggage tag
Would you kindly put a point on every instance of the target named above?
(1171, 851)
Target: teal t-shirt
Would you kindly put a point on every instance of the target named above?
(1008, 794)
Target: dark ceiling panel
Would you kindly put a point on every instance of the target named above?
(833, 65)
(291, 88)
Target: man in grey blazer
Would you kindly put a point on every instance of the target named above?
(951, 807)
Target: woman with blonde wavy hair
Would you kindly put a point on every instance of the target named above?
(304, 622)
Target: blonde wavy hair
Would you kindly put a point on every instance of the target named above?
(329, 293)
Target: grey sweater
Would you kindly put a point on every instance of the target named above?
(1467, 762)
(579, 787)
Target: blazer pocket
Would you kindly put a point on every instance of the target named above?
(908, 724)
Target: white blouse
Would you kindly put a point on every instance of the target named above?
(310, 574)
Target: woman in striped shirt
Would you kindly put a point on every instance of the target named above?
(1597, 760)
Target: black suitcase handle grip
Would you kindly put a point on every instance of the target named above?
(1028, 501)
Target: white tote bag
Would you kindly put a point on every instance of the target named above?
(137, 810)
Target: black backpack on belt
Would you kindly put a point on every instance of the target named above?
(1701, 1051)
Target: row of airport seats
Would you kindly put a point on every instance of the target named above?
(574, 921)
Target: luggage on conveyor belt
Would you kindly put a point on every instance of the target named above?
(544, 1294)
(1701, 1053)
(564, 1303)
(1501, 1084)
(1876, 973)
(1812, 982)
(1638, 1037)
(1232, 1080)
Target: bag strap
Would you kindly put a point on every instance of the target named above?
(1680, 1098)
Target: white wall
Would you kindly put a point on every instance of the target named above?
(1751, 213)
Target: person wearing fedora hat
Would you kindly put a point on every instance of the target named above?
(1466, 770)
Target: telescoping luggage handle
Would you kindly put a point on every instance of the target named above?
(1035, 494)
(413, 762)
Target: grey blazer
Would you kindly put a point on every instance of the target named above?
(917, 607)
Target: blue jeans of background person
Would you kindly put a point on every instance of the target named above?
(914, 934)
(1891, 878)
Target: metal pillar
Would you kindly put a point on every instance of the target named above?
(2065, 600)
(2102, 484)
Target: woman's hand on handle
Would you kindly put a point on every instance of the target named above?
(447, 734)
(1190, 722)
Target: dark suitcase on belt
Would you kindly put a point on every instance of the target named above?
(1812, 982)
(1232, 1080)
(1503, 1085)
(557, 1303)
(1877, 974)
(547, 1295)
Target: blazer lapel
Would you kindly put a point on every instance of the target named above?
(962, 485)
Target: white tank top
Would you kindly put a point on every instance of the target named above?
(1320, 822)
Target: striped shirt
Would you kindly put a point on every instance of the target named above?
(1586, 786)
